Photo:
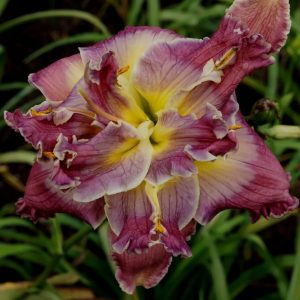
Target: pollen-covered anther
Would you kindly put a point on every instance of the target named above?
(49, 155)
(226, 60)
(159, 227)
(35, 113)
(123, 70)
(235, 127)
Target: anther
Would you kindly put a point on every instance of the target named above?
(226, 59)
(123, 70)
(35, 113)
(235, 127)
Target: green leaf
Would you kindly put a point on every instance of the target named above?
(57, 238)
(56, 13)
(19, 156)
(15, 249)
(134, 11)
(294, 288)
(15, 101)
(44, 295)
(87, 37)
(15, 266)
(153, 12)
(14, 221)
(13, 86)
(275, 270)
(217, 270)
(29, 238)
(3, 4)
(273, 72)
(2, 60)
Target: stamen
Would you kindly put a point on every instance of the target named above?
(123, 70)
(151, 192)
(235, 127)
(49, 154)
(158, 227)
(96, 108)
(35, 113)
(226, 59)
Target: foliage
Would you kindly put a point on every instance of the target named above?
(63, 258)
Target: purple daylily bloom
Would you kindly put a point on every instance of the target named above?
(144, 128)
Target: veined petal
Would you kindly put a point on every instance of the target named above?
(169, 67)
(129, 215)
(177, 141)
(170, 71)
(57, 80)
(73, 104)
(250, 178)
(117, 159)
(128, 46)
(42, 134)
(146, 268)
(169, 139)
(238, 55)
(174, 206)
(270, 18)
(42, 199)
(149, 215)
(109, 92)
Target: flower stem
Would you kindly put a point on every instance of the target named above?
(294, 289)
(74, 239)
(79, 235)
(134, 296)
(217, 269)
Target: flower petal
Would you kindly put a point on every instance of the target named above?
(57, 80)
(42, 199)
(129, 216)
(42, 134)
(73, 104)
(128, 45)
(115, 160)
(250, 178)
(169, 67)
(270, 18)
(178, 201)
(177, 141)
(110, 94)
(237, 54)
(146, 268)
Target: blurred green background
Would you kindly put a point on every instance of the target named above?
(63, 258)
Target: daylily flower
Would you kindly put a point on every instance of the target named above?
(144, 128)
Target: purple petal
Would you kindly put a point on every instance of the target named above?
(110, 97)
(42, 199)
(271, 19)
(169, 67)
(249, 53)
(250, 178)
(42, 134)
(177, 141)
(178, 200)
(57, 80)
(146, 268)
(128, 46)
(129, 216)
(73, 104)
(117, 159)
